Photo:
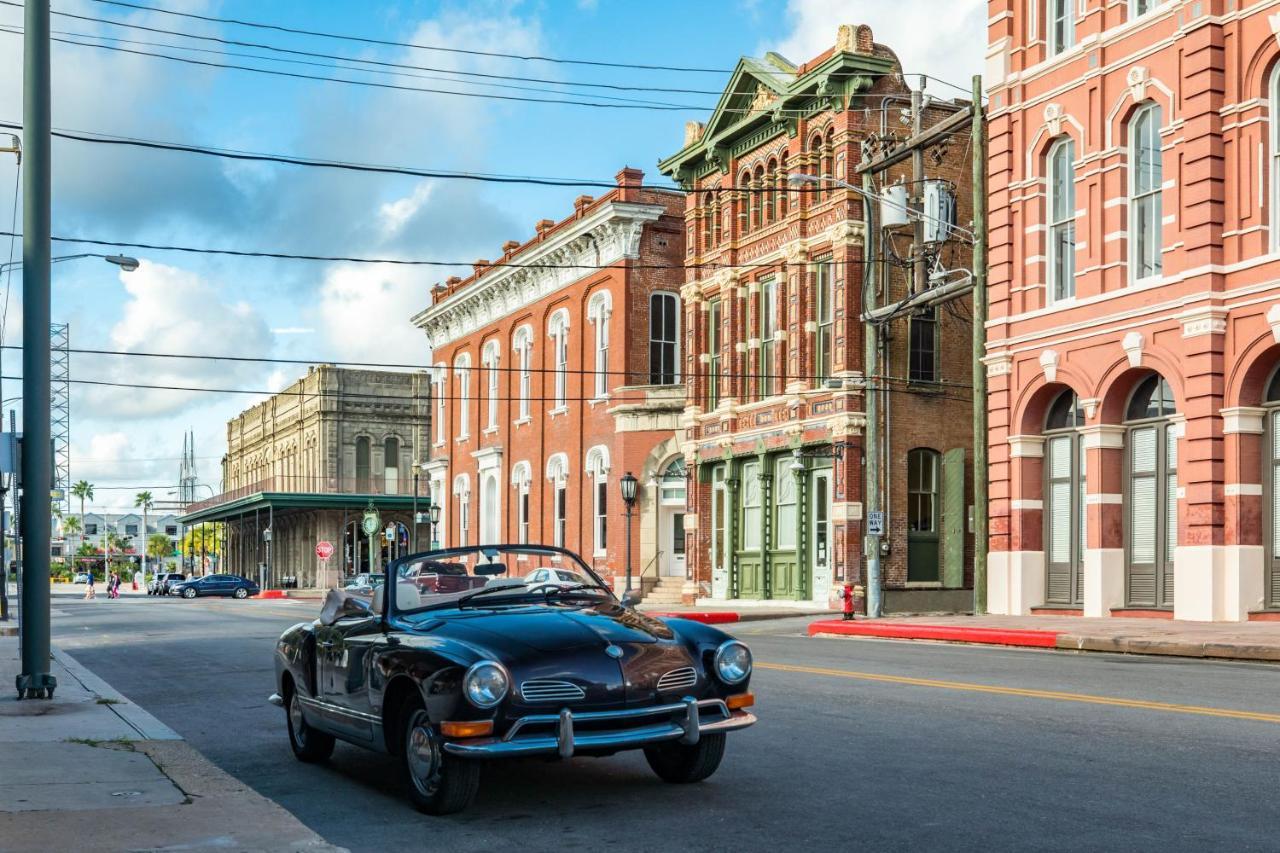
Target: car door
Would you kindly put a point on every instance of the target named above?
(343, 652)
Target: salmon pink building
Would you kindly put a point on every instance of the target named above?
(556, 371)
(1132, 346)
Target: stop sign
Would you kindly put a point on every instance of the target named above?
(324, 549)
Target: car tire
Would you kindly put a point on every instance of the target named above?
(438, 783)
(241, 592)
(681, 764)
(309, 745)
(188, 593)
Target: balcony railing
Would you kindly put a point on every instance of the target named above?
(303, 484)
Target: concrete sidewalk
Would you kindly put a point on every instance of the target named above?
(1258, 641)
(89, 770)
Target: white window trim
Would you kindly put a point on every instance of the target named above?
(1051, 297)
(675, 345)
(521, 481)
(597, 468)
(1138, 114)
(441, 385)
(523, 345)
(558, 332)
(1052, 47)
(462, 372)
(599, 312)
(490, 360)
(1273, 135)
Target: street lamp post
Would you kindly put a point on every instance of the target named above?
(434, 512)
(125, 262)
(628, 485)
(262, 569)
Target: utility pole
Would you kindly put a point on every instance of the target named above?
(981, 474)
(871, 403)
(35, 680)
(917, 189)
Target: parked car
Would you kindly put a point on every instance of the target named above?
(162, 581)
(82, 577)
(232, 585)
(449, 680)
(441, 576)
(364, 583)
(554, 577)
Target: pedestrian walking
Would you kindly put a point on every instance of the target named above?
(89, 591)
(137, 579)
(113, 586)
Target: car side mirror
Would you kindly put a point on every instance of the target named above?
(354, 607)
(630, 599)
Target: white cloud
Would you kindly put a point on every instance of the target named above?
(948, 40)
(365, 310)
(293, 330)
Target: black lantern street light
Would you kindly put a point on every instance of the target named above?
(435, 525)
(629, 498)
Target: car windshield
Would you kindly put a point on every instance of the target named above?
(491, 575)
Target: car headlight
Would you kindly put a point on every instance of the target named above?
(486, 684)
(733, 662)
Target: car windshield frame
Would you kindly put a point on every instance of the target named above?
(490, 554)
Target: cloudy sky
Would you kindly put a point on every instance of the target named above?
(124, 439)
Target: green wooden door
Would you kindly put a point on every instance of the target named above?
(953, 518)
(784, 562)
(750, 552)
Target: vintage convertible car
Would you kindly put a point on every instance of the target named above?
(447, 680)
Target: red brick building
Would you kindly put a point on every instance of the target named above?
(1135, 310)
(556, 371)
(774, 350)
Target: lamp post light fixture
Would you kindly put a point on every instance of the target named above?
(125, 262)
(628, 485)
(434, 513)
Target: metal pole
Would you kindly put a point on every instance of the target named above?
(871, 346)
(35, 681)
(414, 538)
(981, 474)
(917, 189)
(4, 566)
(628, 546)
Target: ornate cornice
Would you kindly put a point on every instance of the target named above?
(607, 235)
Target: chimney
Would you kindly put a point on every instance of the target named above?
(629, 181)
(544, 225)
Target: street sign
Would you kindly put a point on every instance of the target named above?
(324, 549)
(875, 523)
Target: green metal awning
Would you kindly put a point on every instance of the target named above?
(295, 500)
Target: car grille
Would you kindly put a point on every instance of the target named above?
(678, 679)
(550, 690)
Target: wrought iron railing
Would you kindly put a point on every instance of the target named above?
(304, 484)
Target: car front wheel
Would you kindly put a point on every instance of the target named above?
(439, 784)
(681, 764)
(241, 592)
(309, 745)
(188, 593)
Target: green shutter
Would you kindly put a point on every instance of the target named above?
(953, 518)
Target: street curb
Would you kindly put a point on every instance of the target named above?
(270, 593)
(147, 726)
(724, 617)
(946, 633)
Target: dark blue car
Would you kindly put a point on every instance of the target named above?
(229, 585)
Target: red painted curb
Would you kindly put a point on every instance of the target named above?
(901, 631)
(270, 593)
(705, 618)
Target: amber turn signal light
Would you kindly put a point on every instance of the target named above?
(742, 700)
(478, 728)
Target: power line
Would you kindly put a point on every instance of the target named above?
(389, 43)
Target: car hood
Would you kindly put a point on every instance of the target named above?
(549, 629)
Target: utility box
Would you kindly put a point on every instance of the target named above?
(893, 206)
(939, 211)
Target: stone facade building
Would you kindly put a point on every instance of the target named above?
(774, 346)
(1135, 310)
(557, 369)
(307, 462)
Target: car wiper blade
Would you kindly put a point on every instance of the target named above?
(488, 589)
(578, 587)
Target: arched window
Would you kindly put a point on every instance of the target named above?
(490, 511)
(1145, 185)
(462, 384)
(1273, 96)
(521, 478)
(558, 474)
(362, 465)
(1064, 501)
(664, 330)
(462, 491)
(523, 346)
(771, 191)
(828, 156)
(745, 201)
(715, 217)
(783, 185)
(768, 329)
(759, 198)
(391, 465)
(489, 358)
(558, 331)
(598, 470)
(815, 168)
(1152, 461)
(599, 310)
(785, 501)
(1062, 220)
(1060, 26)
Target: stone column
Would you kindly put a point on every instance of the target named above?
(1247, 459)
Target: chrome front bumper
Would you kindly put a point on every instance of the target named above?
(559, 734)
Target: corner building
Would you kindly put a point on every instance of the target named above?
(774, 350)
(1135, 308)
(556, 371)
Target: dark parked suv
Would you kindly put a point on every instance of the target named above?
(161, 582)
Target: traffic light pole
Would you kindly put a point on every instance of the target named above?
(35, 680)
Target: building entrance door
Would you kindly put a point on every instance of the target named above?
(822, 538)
(923, 565)
(671, 500)
(719, 540)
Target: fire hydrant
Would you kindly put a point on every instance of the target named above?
(846, 596)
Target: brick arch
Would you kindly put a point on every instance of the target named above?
(1247, 378)
(1038, 150)
(1119, 380)
(1034, 398)
(1259, 67)
(1126, 105)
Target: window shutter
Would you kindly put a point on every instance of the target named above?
(1171, 513)
(1082, 513)
(953, 518)
(1143, 516)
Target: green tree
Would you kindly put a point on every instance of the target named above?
(202, 540)
(146, 501)
(84, 491)
(71, 525)
(158, 547)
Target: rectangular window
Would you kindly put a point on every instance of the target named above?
(1062, 221)
(785, 490)
(1138, 8)
(824, 283)
(171, 530)
(562, 366)
(561, 503)
(752, 507)
(663, 325)
(464, 394)
(464, 521)
(602, 515)
(922, 491)
(524, 515)
(526, 378)
(768, 326)
(1146, 185)
(439, 387)
(91, 530)
(713, 350)
(131, 530)
(922, 363)
(493, 393)
(1061, 27)
(602, 355)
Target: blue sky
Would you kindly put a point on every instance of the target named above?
(124, 438)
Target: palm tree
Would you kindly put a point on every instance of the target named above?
(71, 525)
(146, 501)
(84, 491)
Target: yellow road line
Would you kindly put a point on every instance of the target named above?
(1032, 694)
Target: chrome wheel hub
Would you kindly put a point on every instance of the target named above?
(423, 755)
(296, 723)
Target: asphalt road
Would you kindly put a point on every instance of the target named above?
(871, 744)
